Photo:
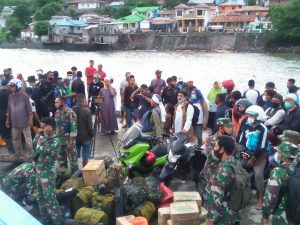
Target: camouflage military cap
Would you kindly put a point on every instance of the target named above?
(287, 149)
(224, 122)
(290, 136)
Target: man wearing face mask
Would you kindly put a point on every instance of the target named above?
(184, 112)
(254, 137)
(48, 149)
(47, 90)
(291, 120)
(212, 162)
(221, 184)
(275, 199)
(276, 113)
(94, 90)
(66, 129)
(239, 115)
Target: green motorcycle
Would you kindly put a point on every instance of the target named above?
(141, 154)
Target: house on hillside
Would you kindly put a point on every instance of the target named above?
(191, 18)
(8, 10)
(168, 13)
(252, 10)
(131, 23)
(235, 22)
(28, 34)
(207, 2)
(163, 24)
(276, 2)
(85, 5)
(116, 4)
(231, 5)
(66, 27)
(86, 17)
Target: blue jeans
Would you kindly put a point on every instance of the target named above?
(86, 149)
(198, 133)
(131, 112)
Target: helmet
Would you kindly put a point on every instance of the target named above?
(258, 111)
(149, 158)
(17, 83)
(243, 102)
(228, 84)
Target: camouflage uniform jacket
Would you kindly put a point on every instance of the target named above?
(49, 151)
(66, 125)
(211, 164)
(221, 183)
(20, 180)
(275, 192)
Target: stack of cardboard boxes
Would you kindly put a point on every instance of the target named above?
(185, 210)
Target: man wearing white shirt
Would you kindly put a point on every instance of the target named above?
(184, 112)
(251, 94)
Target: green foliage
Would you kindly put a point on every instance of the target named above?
(41, 28)
(2, 37)
(72, 11)
(286, 22)
(47, 11)
(115, 12)
(172, 3)
(40, 3)
(22, 13)
(15, 29)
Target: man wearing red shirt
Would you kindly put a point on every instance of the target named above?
(89, 73)
(101, 73)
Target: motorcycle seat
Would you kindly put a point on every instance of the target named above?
(160, 150)
(145, 138)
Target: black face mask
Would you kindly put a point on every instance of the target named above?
(51, 78)
(275, 105)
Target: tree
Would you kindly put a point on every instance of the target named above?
(47, 11)
(41, 28)
(2, 37)
(285, 20)
(15, 29)
(22, 13)
(72, 11)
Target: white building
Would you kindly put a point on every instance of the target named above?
(86, 4)
(8, 10)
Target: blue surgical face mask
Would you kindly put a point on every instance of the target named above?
(181, 101)
(276, 159)
(193, 98)
(287, 105)
(224, 90)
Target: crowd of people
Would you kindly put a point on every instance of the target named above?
(49, 119)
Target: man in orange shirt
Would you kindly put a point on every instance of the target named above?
(89, 73)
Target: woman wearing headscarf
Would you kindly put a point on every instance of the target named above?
(216, 89)
(158, 116)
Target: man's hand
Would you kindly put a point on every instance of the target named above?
(264, 221)
(204, 126)
(184, 131)
(7, 124)
(30, 123)
(70, 147)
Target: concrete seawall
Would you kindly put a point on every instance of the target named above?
(194, 41)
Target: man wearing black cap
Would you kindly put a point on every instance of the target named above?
(4, 131)
(270, 87)
(170, 92)
(32, 81)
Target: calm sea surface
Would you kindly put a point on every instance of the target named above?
(203, 68)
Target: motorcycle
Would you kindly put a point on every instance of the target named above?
(181, 155)
(140, 154)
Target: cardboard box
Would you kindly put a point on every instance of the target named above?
(94, 172)
(185, 213)
(124, 220)
(203, 215)
(169, 222)
(183, 196)
(164, 214)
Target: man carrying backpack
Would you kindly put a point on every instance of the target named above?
(276, 198)
(222, 183)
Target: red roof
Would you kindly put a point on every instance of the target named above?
(232, 19)
(252, 8)
(167, 12)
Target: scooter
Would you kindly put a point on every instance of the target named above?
(181, 154)
(140, 154)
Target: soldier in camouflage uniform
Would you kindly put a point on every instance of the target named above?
(286, 153)
(20, 181)
(290, 136)
(48, 150)
(221, 183)
(66, 130)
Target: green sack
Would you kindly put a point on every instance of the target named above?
(89, 216)
(135, 193)
(154, 193)
(73, 182)
(146, 209)
(108, 207)
(85, 194)
(75, 204)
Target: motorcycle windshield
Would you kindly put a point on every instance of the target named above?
(131, 134)
(178, 146)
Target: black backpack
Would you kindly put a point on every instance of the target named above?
(293, 202)
(195, 115)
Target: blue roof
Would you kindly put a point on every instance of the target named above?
(68, 22)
